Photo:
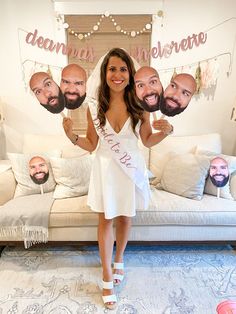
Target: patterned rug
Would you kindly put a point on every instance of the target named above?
(158, 280)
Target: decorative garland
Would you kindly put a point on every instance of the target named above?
(206, 72)
(116, 25)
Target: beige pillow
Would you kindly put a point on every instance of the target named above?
(185, 175)
(72, 176)
(210, 188)
(7, 186)
(233, 185)
(159, 154)
(20, 167)
(157, 165)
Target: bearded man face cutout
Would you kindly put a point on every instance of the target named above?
(219, 172)
(73, 85)
(47, 92)
(148, 88)
(38, 170)
(178, 94)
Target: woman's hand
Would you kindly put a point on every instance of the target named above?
(67, 125)
(163, 125)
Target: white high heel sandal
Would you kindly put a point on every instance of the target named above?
(119, 277)
(107, 299)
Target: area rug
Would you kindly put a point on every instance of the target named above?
(158, 280)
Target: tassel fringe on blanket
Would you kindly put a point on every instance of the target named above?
(30, 235)
(26, 219)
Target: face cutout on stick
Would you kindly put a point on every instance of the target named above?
(219, 172)
(178, 94)
(148, 88)
(47, 92)
(73, 85)
(38, 170)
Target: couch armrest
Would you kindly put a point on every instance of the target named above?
(7, 186)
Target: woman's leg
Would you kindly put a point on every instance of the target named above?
(123, 225)
(106, 243)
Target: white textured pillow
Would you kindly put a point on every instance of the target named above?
(210, 188)
(185, 175)
(20, 167)
(72, 176)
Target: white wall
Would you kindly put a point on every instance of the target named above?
(113, 7)
(23, 114)
(208, 112)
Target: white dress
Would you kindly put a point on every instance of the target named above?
(111, 190)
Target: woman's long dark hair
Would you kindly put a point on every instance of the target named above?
(134, 109)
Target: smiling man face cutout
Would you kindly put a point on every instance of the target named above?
(148, 88)
(38, 170)
(219, 172)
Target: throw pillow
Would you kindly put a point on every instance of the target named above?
(233, 185)
(185, 175)
(210, 188)
(157, 165)
(72, 176)
(20, 167)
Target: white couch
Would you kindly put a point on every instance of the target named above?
(170, 217)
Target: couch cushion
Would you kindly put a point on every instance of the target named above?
(165, 209)
(171, 209)
(72, 212)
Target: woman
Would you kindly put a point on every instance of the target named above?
(119, 182)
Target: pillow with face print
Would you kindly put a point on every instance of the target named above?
(219, 174)
(33, 172)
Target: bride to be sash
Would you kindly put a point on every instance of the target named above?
(116, 147)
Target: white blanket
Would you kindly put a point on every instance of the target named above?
(26, 218)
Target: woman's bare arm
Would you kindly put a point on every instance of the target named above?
(89, 142)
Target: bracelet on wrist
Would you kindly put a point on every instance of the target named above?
(171, 131)
(74, 141)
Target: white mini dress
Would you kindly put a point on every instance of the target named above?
(111, 190)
